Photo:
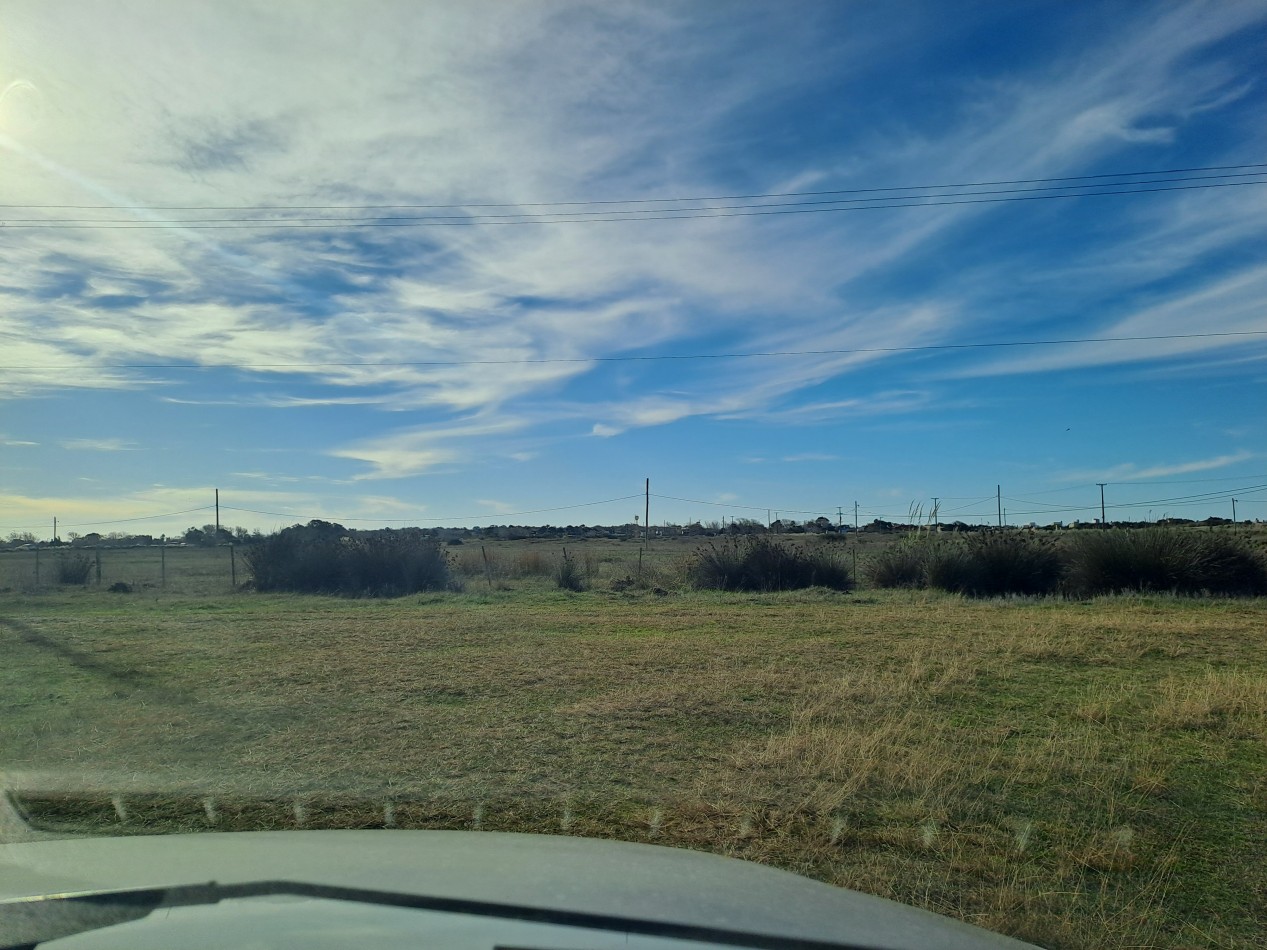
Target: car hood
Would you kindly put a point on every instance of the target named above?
(565, 874)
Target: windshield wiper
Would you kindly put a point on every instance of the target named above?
(26, 922)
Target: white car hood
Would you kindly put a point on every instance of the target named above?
(559, 873)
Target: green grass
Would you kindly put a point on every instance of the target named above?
(1080, 774)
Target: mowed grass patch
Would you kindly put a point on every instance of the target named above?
(1078, 774)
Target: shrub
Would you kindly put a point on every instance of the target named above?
(949, 567)
(381, 563)
(985, 566)
(74, 570)
(1163, 559)
(901, 565)
(991, 566)
(756, 563)
(568, 573)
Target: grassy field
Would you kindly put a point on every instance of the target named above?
(1079, 774)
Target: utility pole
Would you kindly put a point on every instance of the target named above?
(55, 519)
(1103, 522)
(646, 514)
(217, 515)
(855, 516)
(998, 501)
(1233, 511)
(838, 517)
(935, 501)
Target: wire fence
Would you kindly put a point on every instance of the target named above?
(169, 568)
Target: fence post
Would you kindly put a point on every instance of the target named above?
(488, 573)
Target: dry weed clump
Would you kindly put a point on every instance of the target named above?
(533, 563)
(1220, 699)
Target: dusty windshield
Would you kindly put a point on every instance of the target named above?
(824, 434)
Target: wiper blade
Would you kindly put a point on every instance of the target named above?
(26, 922)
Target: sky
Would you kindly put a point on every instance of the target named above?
(397, 263)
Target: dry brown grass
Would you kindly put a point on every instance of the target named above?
(1077, 774)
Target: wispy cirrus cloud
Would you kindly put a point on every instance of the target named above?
(511, 325)
(98, 445)
(1131, 471)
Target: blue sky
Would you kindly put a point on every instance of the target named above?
(464, 374)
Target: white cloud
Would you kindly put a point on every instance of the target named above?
(401, 454)
(1130, 471)
(568, 102)
(98, 445)
(1230, 305)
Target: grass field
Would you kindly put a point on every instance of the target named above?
(1079, 774)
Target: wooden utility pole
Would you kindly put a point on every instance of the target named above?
(646, 514)
(1233, 511)
(1103, 521)
(998, 501)
(217, 516)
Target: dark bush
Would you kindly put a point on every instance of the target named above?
(754, 563)
(74, 570)
(949, 567)
(901, 565)
(1163, 559)
(380, 563)
(995, 566)
(985, 566)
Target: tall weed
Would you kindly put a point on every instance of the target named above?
(758, 564)
(1163, 559)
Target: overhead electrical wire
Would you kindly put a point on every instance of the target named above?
(96, 524)
(899, 198)
(675, 211)
(635, 201)
(480, 516)
(660, 356)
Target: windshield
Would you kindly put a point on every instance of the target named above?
(824, 434)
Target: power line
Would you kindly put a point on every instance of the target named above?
(624, 216)
(630, 201)
(1176, 501)
(664, 356)
(722, 504)
(481, 516)
(95, 524)
(608, 211)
